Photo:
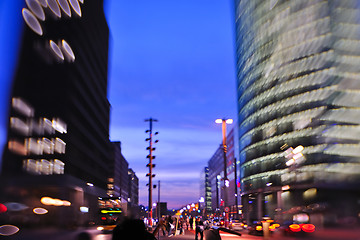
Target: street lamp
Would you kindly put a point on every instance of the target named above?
(226, 180)
(150, 165)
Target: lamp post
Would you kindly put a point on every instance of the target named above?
(226, 180)
(150, 165)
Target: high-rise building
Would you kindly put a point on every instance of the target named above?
(298, 109)
(58, 112)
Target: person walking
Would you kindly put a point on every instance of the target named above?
(160, 227)
(199, 229)
(169, 225)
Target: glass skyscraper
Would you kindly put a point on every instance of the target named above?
(298, 108)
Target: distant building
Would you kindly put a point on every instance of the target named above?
(57, 142)
(205, 192)
(118, 174)
(216, 175)
(162, 207)
(133, 197)
(298, 109)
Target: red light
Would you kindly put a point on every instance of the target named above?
(103, 218)
(3, 208)
(308, 228)
(295, 227)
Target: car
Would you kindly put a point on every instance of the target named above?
(106, 228)
(256, 228)
(298, 229)
(236, 224)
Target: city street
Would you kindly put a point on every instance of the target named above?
(56, 234)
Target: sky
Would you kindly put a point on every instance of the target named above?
(173, 61)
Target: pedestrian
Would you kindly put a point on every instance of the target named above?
(180, 226)
(191, 222)
(169, 225)
(160, 227)
(133, 229)
(199, 229)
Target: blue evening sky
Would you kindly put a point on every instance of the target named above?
(173, 61)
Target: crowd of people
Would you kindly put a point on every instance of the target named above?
(128, 228)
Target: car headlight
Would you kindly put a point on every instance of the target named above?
(100, 228)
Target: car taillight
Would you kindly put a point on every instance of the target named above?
(308, 228)
(295, 227)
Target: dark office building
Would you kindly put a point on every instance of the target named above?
(298, 110)
(58, 112)
(118, 184)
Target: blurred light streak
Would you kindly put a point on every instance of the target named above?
(8, 230)
(14, 206)
(36, 9)
(32, 21)
(40, 211)
(65, 7)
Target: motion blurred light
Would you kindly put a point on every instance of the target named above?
(3, 208)
(43, 3)
(36, 9)
(14, 206)
(308, 227)
(69, 54)
(32, 21)
(75, 6)
(56, 50)
(84, 209)
(7, 230)
(47, 201)
(54, 202)
(65, 7)
(40, 211)
(54, 7)
(295, 227)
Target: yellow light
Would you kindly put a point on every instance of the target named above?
(111, 211)
(47, 201)
(66, 203)
(57, 202)
(298, 149)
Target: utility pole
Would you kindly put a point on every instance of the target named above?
(150, 165)
(159, 210)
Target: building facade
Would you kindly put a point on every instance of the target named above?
(216, 175)
(298, 90)
(133, 198)
(57, 138)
